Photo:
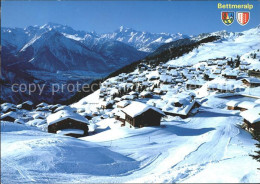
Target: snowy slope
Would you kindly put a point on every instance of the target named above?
(228, 47)
(188, 150)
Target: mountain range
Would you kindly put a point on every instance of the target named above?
(55, 53)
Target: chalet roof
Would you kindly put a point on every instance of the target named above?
(38, 116)
(195, 82)
(9, 114)
(257, 101)
(105, 103)
(166, 78)
(247, 105)
(133, 93)
(65, 114)
(137, 108)
(42, 104)
(28, 102)
(252, 115)
(6, 106)
(225, 86)
(128, 97)
(179, 110)
(157, 90)
(120, 113)
(230, 72)
(153, 75)
(144, 93)
(123, 103)
(232, 103)
(64, 107)
(252, 80)
(212, 85)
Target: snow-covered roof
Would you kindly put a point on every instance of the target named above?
(137, 108)
(133, 93)
(157, 90)
(232, 103)
(225, 86)
(184, 110)
(43, 104)
(251, 115)
(166, 78)
(120, 113)
(145, 93)
(230, 72)
(106, 103)
(9, 114)
(128, 97)
(63, 107)
(195, 82)
(5, 107)
(123, 103)
(65, 114)
(38, 116)
(28, 102)
(247, 105)
(252, 80)
(257, 101)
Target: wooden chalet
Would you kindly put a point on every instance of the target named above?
(28, 105)
(8, 107)
(251, 119)
(251, 82)
(138, 114)
(232, 105)
(146, 94)
(106, 104)
(123, 104)
(194, 84)
(68, 122)
(10, 116)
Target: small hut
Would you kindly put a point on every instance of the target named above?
(10, 116)
(232, 105)
(138, 114)
(251, 82)
(251, 119)
(68, 123)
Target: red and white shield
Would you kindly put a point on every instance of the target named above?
(243, 18)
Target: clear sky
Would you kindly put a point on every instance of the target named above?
(186, 17)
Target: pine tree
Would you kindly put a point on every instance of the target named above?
(206, 77)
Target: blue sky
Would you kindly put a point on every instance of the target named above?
(165, 16)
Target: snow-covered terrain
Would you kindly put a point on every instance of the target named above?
(206, 143)
(231, 46)
(209, 147)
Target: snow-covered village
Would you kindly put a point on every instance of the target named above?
(189, 117)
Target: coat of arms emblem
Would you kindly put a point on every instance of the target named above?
(243, 18)
(227, 17)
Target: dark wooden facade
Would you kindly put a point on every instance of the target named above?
(8, 118)
(119, 118)
(232, 108)
(193, 86)
(27, 106)
(69, 124)
(148, 118)
(251, 127)
(230, 77)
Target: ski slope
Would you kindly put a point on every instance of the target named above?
(209, 147)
